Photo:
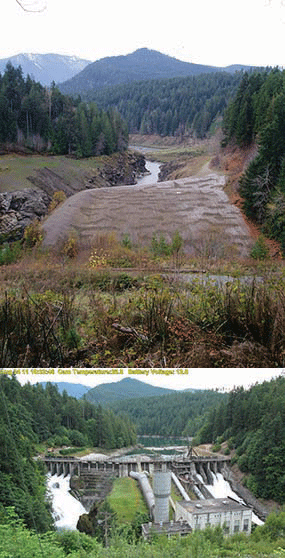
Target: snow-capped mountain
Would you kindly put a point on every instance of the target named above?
(46, 68)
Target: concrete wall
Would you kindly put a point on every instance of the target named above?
(230, 521)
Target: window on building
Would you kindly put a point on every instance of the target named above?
(226, 527)
(236, 526)
(245, 524)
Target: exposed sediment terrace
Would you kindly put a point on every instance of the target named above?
(197, 207)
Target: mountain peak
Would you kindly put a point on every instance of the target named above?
(127, 388)
(142, 64)
(46, 68)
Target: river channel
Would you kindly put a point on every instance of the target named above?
(151, 177)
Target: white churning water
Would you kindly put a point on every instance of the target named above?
(66, 509)
(222, 489)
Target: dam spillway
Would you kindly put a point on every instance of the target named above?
(122, 466)
(204, 476)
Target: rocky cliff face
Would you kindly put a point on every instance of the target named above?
(168, 169)
(20, 208)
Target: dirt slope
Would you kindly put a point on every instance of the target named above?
(197, 207)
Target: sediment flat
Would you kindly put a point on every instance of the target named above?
(197, 207)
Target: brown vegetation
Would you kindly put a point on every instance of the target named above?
(233, 161)
(110, 303)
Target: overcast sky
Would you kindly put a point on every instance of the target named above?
(200, 378)
(214, 32)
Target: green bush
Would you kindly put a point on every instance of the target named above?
(243, 463)
(72, 338)
(58, 441)
(126, 241)
(77, 438)
(160, 247)
(33, 234)
(259, 251)
(10, 253)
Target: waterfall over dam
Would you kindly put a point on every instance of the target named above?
(206, 477)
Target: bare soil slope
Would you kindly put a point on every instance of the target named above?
(197, 207)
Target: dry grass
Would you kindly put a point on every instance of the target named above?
(17, 168)
(61, 313)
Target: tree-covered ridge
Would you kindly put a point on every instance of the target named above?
(255, 421)
(44, 119)
(30, 415)
(170, 106)
(257, 114)
(177, 414)
(143, 64)
(128, 388)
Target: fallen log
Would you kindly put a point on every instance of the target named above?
(130, 331)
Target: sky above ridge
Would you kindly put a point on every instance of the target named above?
(223, 379)
(213, 32)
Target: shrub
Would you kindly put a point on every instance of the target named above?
(243, 463)
(72, 338)
(77, 438)
(126, 241)
(159, 247)
(57, 441)
(31, 329)
(58, 198)
(70, 247)
(259, 251)
(33, 234)
(98, 259)
(10, 253)
(176, 246)
(230, 444)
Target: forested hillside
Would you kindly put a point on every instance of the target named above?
(170, 106)
(257, 114)
(254, 420)
(31, 415)
(181, 413)
(34, 117)
(139, 65)
(106, 394)
(142, 64)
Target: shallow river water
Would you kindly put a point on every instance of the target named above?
(152, 176)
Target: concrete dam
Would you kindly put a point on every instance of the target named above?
(124, 465)
(90, 479)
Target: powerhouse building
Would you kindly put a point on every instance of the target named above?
(232, 516)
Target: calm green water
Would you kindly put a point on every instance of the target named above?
(159, 445)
